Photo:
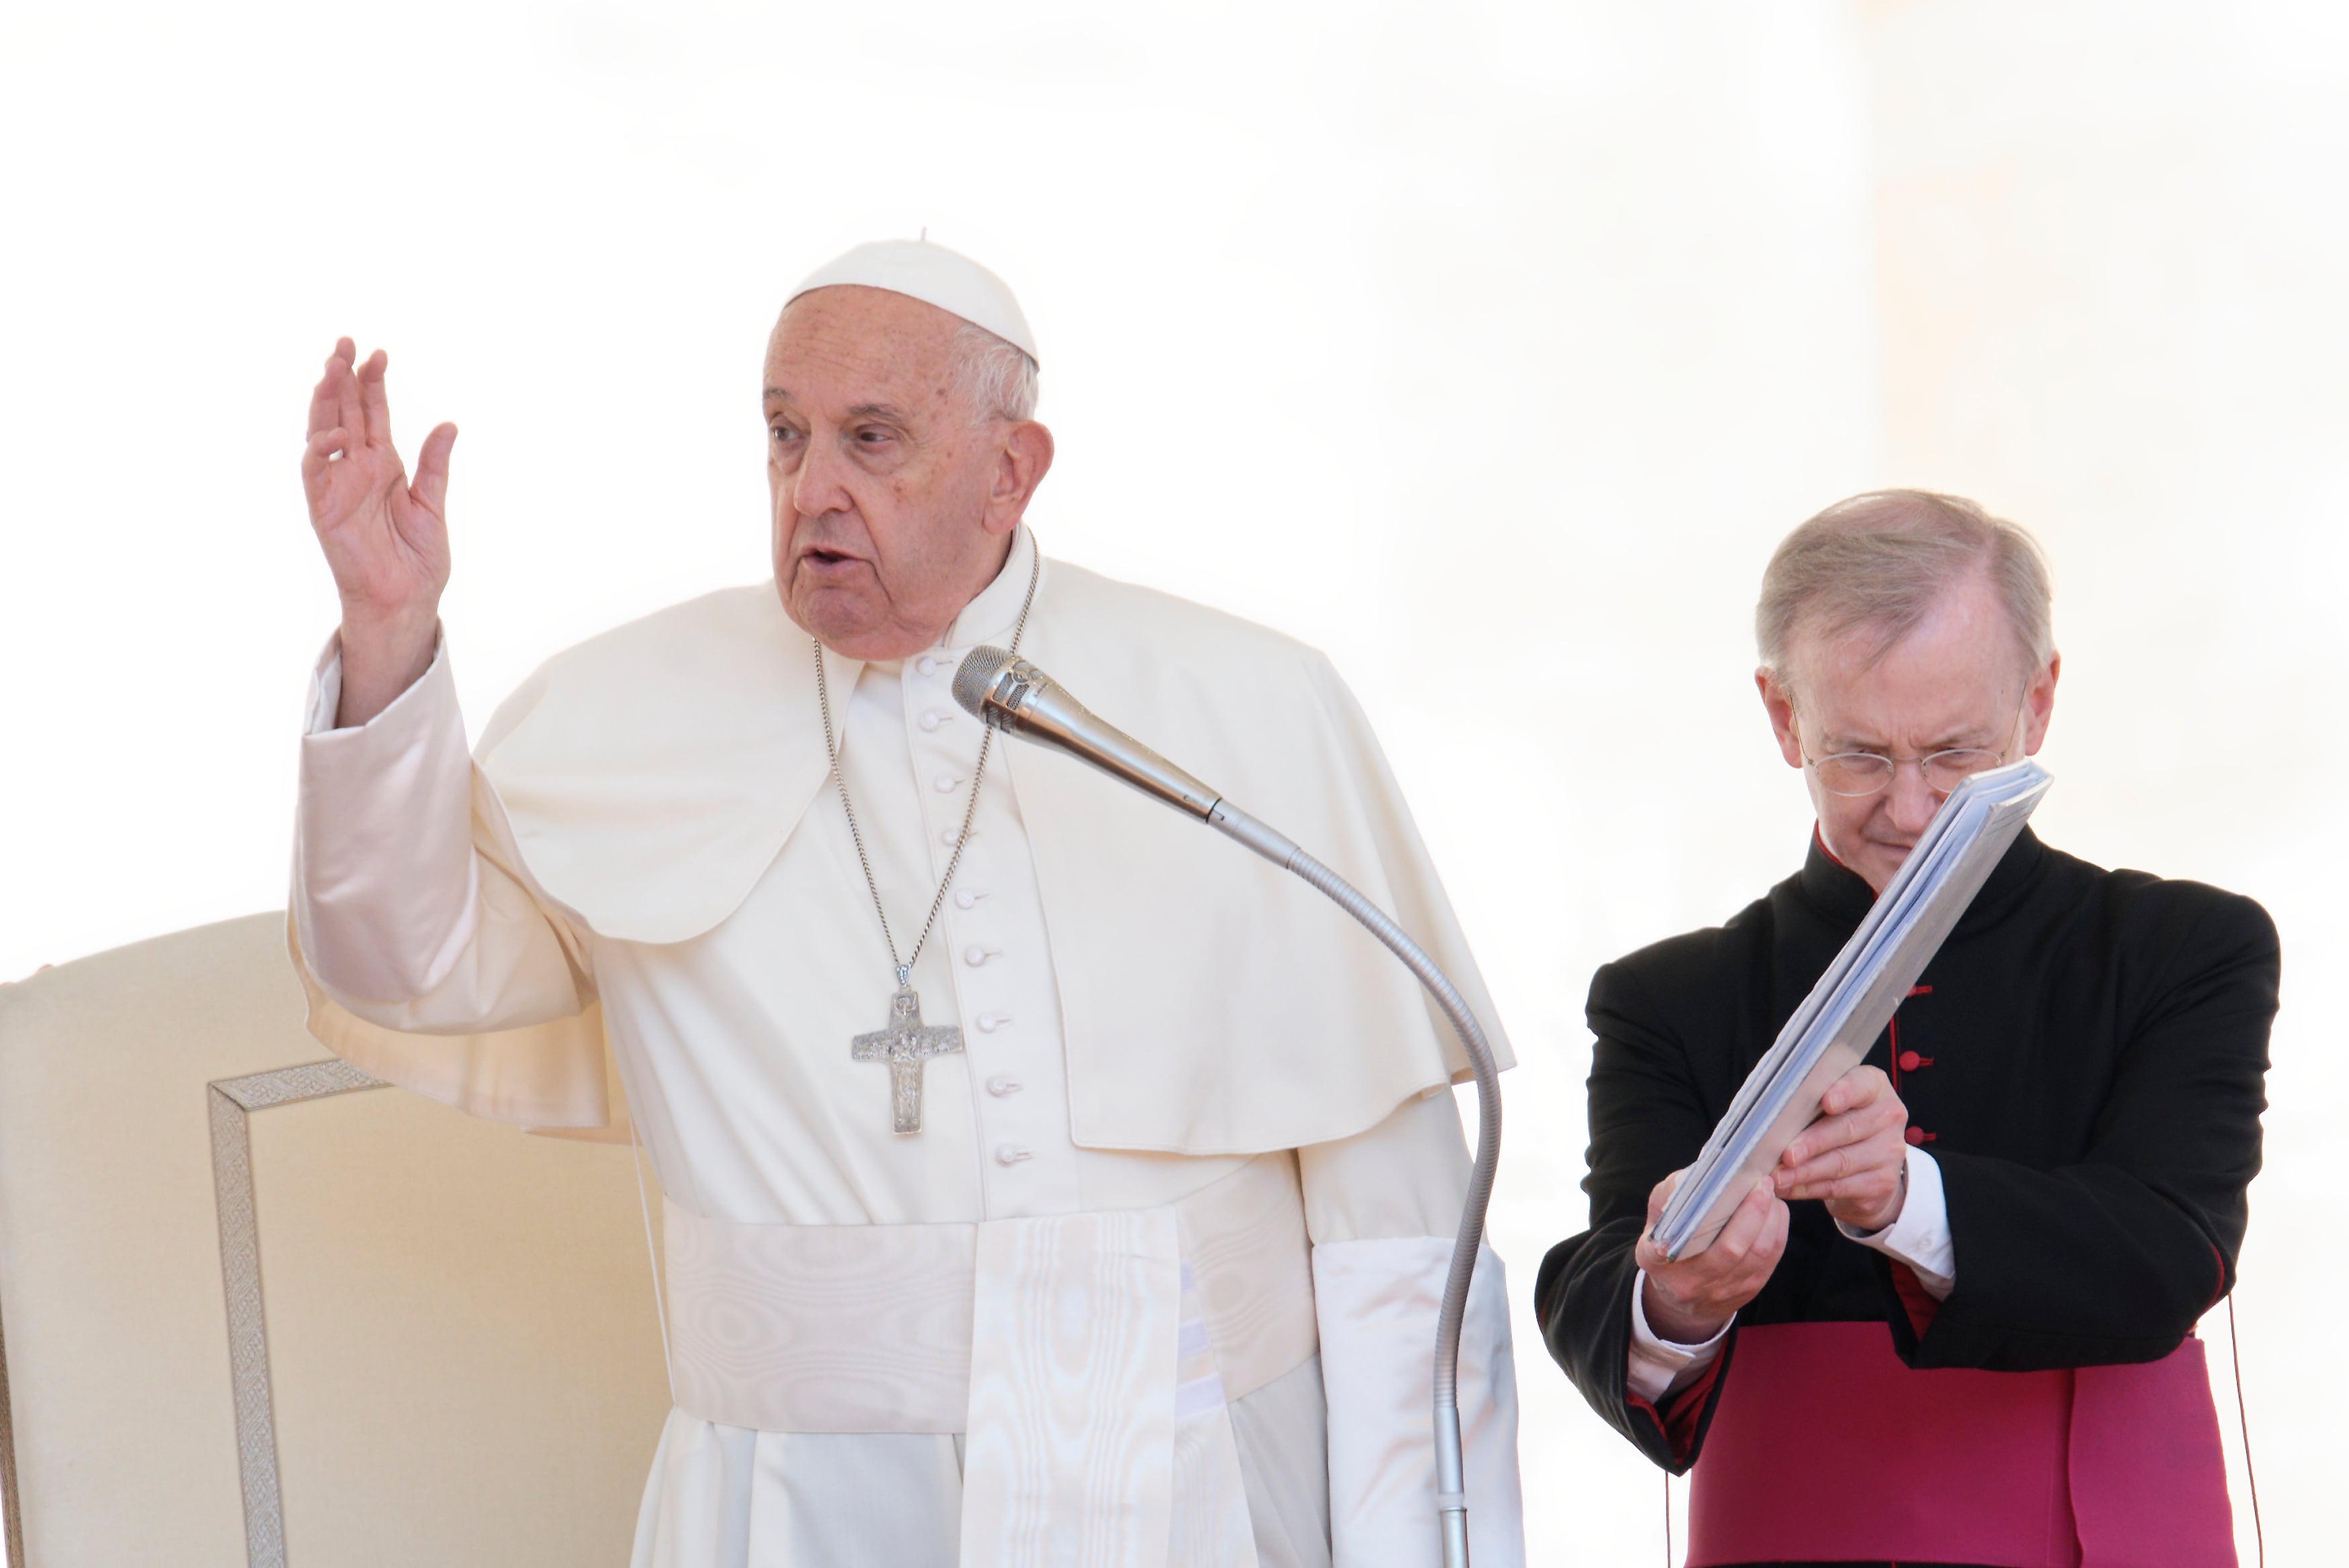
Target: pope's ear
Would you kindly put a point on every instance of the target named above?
(1779, 704)
(1025, 458)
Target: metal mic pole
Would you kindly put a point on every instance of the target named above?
(1014, 695)
(1451, 1490)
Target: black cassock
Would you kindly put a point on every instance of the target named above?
(2083, 1059)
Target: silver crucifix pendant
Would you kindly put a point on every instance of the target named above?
(905, 1044)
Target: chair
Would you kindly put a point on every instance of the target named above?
(257, 1309)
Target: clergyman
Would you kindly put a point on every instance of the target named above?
(1955, 1324)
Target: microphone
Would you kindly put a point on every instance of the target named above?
(1004, 692)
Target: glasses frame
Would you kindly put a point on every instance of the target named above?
(1924, 763)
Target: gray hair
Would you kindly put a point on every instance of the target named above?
(1879, 560)
(997, 376)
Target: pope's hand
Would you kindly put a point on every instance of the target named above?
(1691, 1300)
(385, 538)
(1853, 1155)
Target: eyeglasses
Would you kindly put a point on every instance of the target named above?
(1853, 774)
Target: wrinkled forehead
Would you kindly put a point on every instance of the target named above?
(849, 345)
(1957, 674)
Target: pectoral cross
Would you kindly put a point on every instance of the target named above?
(905, 1044)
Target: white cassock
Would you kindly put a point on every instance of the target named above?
(1156, 1282)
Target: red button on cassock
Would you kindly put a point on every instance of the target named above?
(1915, 1135)
(1908, 1060)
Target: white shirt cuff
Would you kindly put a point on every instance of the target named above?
(1376, 1303)
(1659, 1366)
(326, 685)
(1920, 1236)
(385, 885)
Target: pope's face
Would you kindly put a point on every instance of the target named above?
(893, 505)
(1957, 680)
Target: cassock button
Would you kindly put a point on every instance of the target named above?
(949, 837)
(999, 1086)
(991, 1022)
(927, 666)
(943, 783)
(1915, 1137)
(1908, 1060)
(933, 719)
(976, 955)
(1012, 1154)
(965, 898)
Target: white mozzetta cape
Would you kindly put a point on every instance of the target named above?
(1212, 1004)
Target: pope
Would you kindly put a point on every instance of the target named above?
(1045, 1181)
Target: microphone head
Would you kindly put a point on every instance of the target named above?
(976, 677)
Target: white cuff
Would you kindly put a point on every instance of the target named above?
(326, 686)
(385, 886)
(1658, 1365)
(1376, 1303)
(1919, 1236)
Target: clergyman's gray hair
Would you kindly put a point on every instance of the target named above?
(997, 376)
(1878, 561)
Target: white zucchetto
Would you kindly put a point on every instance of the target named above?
(934, 276)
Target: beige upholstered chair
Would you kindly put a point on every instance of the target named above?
(259, 1311)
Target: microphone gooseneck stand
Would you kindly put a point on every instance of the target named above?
(1013, 695)
(1451, 1488)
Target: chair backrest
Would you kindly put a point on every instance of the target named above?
(257, 1310)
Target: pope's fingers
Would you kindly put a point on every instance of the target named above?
(317, 456)
(431, 487)
(322, 399)
(372, 398)
(350, 413)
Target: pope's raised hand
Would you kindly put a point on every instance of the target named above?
(386, 536)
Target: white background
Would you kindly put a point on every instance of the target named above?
(1490, 346)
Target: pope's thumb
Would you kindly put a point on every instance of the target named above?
(431, 486)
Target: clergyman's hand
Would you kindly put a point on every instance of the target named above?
(386, 538)
(1689, 1301)
(1853, 1154)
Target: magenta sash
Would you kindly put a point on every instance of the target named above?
(1826, 1447)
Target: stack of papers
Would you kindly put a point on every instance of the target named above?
(1831, 1032)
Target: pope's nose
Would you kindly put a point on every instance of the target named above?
(817, 489)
